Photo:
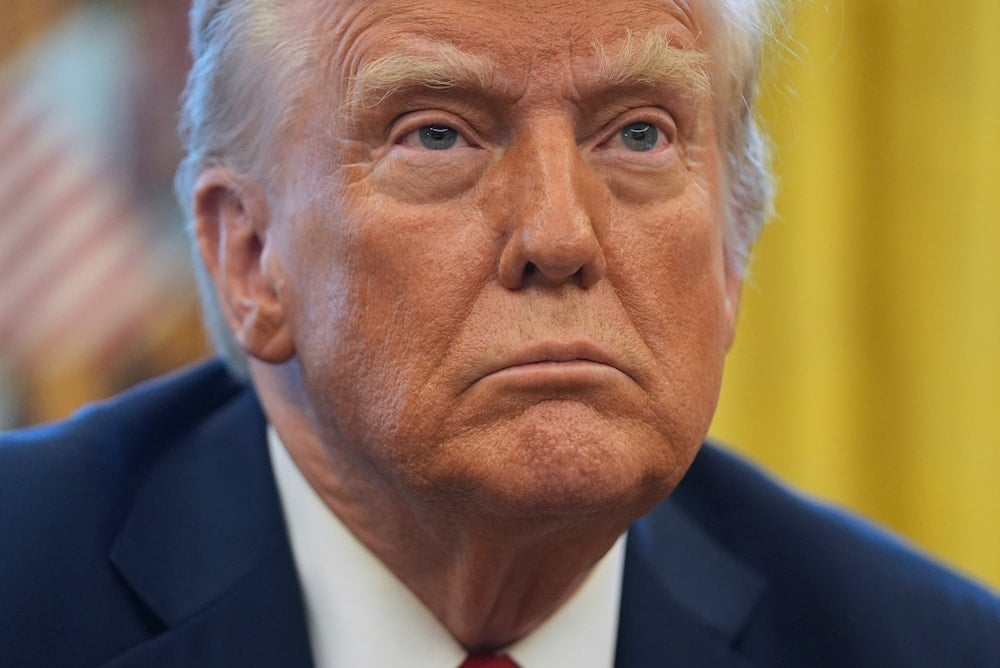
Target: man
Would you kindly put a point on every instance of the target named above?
(479, 264)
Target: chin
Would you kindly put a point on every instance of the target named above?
(562, 459)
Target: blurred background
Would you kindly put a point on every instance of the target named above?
(867, 366)
(94, 283)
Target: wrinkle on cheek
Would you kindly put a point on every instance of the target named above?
(348, 161)
(320, 173)
(495, 210)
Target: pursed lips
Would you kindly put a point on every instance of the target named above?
(554, 358)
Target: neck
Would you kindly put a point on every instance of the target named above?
(489, 579)
(493, 588)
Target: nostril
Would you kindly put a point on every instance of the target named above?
(530, 269)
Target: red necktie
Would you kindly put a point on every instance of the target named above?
(488, 661)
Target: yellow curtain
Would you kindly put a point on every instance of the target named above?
(867, 366)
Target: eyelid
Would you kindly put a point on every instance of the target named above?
(408, 123)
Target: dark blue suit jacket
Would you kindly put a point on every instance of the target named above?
(147, 532)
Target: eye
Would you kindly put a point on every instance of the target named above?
(434, 137)
(437, 137)
(640, 136)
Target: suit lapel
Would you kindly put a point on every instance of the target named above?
(256, 622)
(205, 548)
(684, 598)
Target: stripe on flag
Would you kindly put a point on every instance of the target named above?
(79, 273)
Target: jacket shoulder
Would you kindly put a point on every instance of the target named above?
(65, 489)
(837, 586)
(116, 434)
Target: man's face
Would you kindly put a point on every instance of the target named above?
(501, 262)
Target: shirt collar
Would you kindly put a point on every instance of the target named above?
(360, 614)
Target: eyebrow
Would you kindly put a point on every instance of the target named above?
(651, 61)
(385, 76)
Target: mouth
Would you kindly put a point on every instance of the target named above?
(556, 365)
(581, 351)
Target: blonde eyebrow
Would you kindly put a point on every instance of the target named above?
(651, 61)
(385, 76)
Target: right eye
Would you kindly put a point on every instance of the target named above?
(434, 137)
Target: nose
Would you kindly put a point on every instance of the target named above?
(554, 215)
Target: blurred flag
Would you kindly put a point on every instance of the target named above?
(87, 271)
(78, 275)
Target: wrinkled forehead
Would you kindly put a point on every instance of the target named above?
(522, 34)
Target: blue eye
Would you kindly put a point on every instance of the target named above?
(640, 136)
(437, 137)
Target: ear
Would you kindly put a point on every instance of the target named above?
(734, 288)
(231, 226)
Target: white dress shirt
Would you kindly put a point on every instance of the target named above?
(361, 616)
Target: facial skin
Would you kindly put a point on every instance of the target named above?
(494, 307)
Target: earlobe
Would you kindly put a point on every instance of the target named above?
(263, 333)
(231, 226)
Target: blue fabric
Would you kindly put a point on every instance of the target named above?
(147, 531)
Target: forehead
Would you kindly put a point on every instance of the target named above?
(520, 36)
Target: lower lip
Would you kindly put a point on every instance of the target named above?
(556, 375)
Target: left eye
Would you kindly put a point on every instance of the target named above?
(437, 137)
(640, 136)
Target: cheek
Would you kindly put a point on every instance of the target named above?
(667, 262)
(382, 292)
(669, 270)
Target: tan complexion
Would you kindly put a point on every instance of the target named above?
(487, 302)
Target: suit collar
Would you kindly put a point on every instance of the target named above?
(685, 598)
(205, 547)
